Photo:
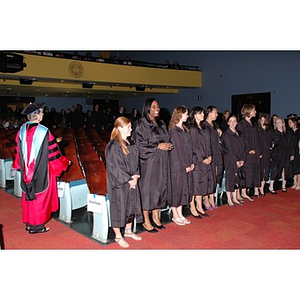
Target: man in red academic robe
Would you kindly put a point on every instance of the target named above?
(39, 160)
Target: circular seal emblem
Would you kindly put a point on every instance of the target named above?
(76, 69)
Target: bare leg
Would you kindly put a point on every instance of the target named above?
(211, 200)
(262, 187)
(130, 234)
(244, 194)
(119, 238)
(206, 201)
(234, 197)
(229, 201)
(147, 224)
(283, 181)
(271, 186)
(193, 207)
(155, 217)
(298, 181)
(238, 195)
(177, 215)
(199, 204)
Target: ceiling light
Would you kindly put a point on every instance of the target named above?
(87, 85)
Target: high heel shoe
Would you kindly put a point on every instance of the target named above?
(196, 216)
(208, 207)
(262, 194)
(201, 214)
(159, 226)
(151, 230)
(230, 204)
(272, 192)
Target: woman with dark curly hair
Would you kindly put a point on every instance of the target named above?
(152, 139)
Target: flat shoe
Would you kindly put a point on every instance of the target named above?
(239, 203)
(122, 243)
(185, 220)
(178, 221)
(133, 236)
(43, 230)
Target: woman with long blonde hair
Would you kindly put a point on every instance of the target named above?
(122, 159)
(181, 162)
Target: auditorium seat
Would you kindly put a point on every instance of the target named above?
(6, 159)
(95, 176)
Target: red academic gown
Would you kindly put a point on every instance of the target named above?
(34, 146)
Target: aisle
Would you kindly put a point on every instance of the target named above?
(271, 222)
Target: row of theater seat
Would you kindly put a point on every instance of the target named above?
(85, 148)
(85, 179)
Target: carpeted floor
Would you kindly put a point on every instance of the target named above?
(271, 222)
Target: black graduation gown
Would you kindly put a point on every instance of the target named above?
(155, 181)
(125, 203)
(217, 157)
(236, 152)
(280, 157)
(264, 140)
(295, 139)
(181, 157)
(203, 175)
(252, 164)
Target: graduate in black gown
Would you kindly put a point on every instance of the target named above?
(204, 181)
(264, 140)
(281, 156)
(215, 132)
(295, 134)
(152, 139)
(181, 161)
(122, 181)
(251, 167)
(233, 160)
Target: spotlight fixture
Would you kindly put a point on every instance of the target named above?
(11, 62)
(140, 88)
(26, 81)
(87, 85)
